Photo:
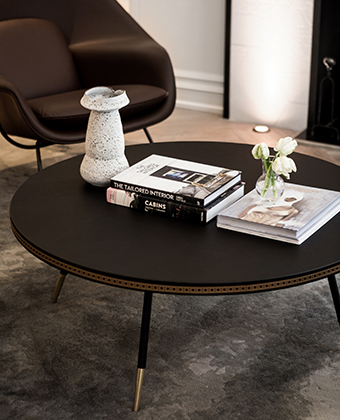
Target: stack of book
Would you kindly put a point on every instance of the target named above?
(176, 188)
(298, 214)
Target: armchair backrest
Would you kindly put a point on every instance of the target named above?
(34, 56)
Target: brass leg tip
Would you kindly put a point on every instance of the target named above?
(139, 382)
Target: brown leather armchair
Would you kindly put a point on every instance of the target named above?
(52, 51)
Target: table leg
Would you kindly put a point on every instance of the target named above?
(335, 294)
(59, 285)
(143, 347)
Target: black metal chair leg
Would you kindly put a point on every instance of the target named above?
(143, 347)
(38, 155)
(35, 146)
(146, 131)
(335, 294)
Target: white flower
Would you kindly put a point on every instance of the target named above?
(285, 146)
(260, 151)
(284, 165)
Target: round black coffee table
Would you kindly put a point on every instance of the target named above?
(67, 223)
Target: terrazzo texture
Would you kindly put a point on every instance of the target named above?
(105, 144)
(270, 356)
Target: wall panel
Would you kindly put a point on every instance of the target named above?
(270, 55)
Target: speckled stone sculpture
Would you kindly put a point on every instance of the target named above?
(104, 143)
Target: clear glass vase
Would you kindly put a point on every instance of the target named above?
(269, 185)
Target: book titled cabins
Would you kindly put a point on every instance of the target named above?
(299, 213)
(176, 180)
(177, 188)
(175, 209)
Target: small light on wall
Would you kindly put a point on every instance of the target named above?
(261, 129)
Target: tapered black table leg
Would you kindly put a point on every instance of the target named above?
(143, 347)
(335, 294)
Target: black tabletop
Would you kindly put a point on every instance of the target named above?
(66, 222)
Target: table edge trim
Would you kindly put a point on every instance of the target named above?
(169, 288)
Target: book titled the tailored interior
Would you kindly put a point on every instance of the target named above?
(299, 213)
(175, 209)
(176, 180)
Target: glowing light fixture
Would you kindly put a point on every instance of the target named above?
(261, 129)
(270, 62)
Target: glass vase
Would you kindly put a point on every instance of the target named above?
(269, 186)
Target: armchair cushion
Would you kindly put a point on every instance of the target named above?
(63, 110)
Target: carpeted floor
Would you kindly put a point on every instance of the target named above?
(271, 356)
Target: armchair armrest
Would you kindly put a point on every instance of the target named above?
(17, 118)
(14, 109)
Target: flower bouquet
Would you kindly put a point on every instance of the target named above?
(270, 185)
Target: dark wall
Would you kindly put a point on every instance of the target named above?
(227, 59)
(326, 43)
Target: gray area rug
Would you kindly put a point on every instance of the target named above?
(271, 356)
